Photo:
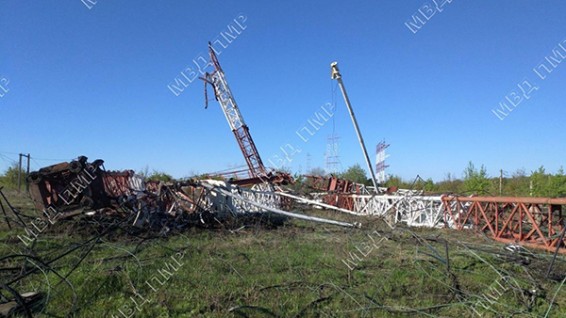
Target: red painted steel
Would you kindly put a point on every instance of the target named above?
(228, 104)
(535, 222)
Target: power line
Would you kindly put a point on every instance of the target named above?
(7, 159)
(35, 163)
(10, 153)
(42, 159)
(51, 159)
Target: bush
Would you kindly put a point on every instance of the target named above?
(10, 177)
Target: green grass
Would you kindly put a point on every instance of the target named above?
(294, 270)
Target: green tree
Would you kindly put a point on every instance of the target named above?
(544, 184)
(317, 171)
(160, 176)
(558, 183)
(10, 176)
(517, 185)
(299, 184)
(394, 181)
(540, 183)
(476, 181)
(397, 181)
(429, 185)
(449, 184)
(355, 173)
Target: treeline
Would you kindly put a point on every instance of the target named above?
(9, 178)
(476, 181)
(538, 183)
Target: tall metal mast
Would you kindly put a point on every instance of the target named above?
(336, 75)
(224, 96)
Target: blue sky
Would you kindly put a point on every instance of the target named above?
(94, 82)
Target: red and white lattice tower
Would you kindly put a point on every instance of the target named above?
(224, 96)
(380, 165)
(333, 163)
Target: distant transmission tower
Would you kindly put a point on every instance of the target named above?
(332, 157)
(308, 166)
(380, 165)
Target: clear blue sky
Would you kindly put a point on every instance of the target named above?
(94, 82)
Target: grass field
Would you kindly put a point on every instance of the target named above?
(257, 268)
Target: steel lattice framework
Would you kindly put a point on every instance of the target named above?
(537, 222)
(534, 222)
(224, 96)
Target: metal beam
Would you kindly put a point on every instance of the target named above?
(235, 119)
(337, 76)
(227, 193)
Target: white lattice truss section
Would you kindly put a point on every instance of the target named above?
(410, 207)
(221, 203)
(414, 210)
(262, 196)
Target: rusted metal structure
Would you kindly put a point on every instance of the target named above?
(241, 178)
(68, 186)
(78, 187)
(535, 222)
(82, 188)
(335, 185)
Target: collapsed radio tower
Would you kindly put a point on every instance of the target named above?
(256, 172)
(224, 96)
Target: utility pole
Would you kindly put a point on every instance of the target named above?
(337, 76)
(20, 171)
(27, 173)
(20, 174)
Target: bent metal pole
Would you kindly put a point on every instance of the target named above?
(337, 76)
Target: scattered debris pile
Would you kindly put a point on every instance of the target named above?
(80, 187)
